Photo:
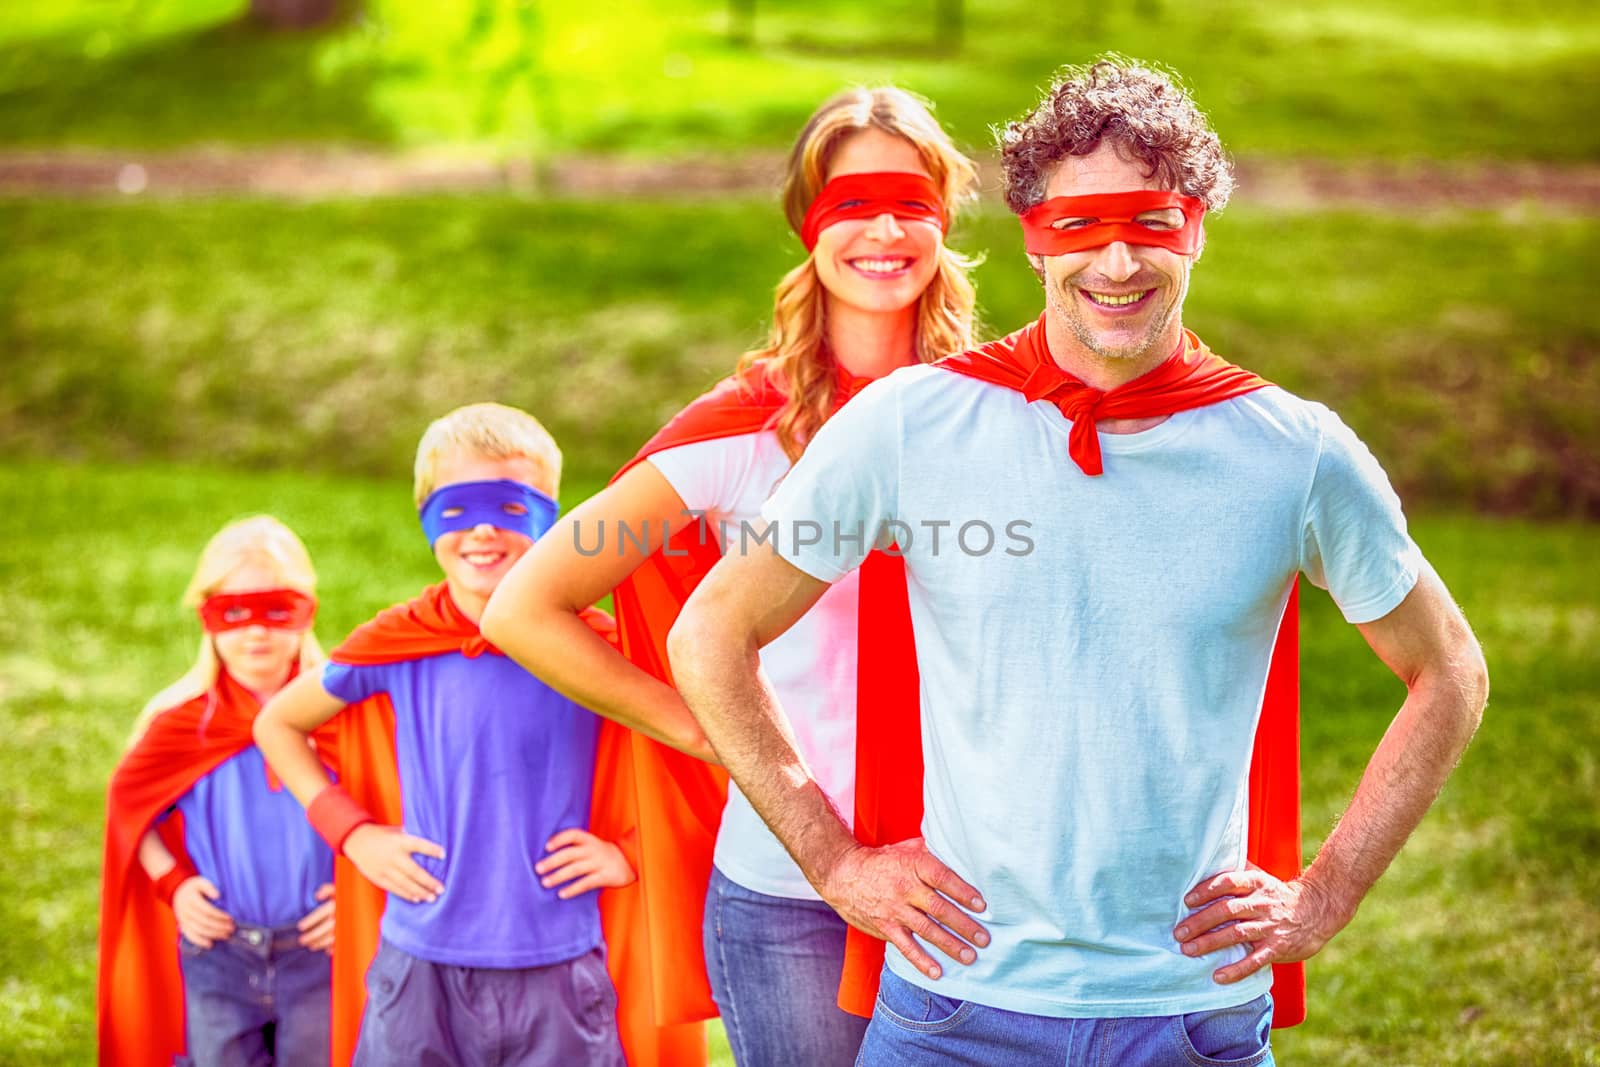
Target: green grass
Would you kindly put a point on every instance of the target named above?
(324, 336)
(1342, 78)
(1478, 947)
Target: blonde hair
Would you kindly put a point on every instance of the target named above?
(793, 354)
(493, 431)
(260, 539)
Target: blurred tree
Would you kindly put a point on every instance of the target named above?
(293, 14)
(742, 21)
(947, 23)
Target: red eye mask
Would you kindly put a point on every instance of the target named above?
(1109, 217)
(912, 197)
(279, 609)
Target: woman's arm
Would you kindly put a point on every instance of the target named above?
(533, 615)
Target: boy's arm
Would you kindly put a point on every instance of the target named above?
(533, 615)
(283, 733)
(383, 854)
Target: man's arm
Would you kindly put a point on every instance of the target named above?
(891, 893)
(1427, 643)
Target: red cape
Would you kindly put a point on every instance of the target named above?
(432, 625)
(678, 838)
(670, 803)
(1195, 378)
(140, 988)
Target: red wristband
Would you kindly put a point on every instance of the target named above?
(334, 814)
(167, 885)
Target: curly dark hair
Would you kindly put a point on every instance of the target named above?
(1146, 112)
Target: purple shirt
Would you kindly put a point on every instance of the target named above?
(492, 763)
(254, 844)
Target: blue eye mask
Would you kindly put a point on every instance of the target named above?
(503, 504)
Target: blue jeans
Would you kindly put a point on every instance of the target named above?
(259, 997)
(912, 1026)
(774, 966)
(421, 1012)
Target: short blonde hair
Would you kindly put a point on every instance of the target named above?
(494, 431)
(259, 539)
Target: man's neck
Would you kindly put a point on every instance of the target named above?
(870, 344)
(1103, 372)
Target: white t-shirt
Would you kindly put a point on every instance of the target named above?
(812, 667)
(1091, 682)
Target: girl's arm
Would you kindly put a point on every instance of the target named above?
(201, 921)
(533, 615)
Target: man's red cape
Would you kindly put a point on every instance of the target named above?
(140, 987)
(432, 625)
(1193, 378)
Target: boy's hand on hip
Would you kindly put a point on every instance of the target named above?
(901, 890)
(316, 929)
(579, 861)
(201, 921)
(1276, 921)
(383, 855)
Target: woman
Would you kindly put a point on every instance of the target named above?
(872, 186)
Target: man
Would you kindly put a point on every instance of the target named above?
(1090, 688)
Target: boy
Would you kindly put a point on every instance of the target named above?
(491, 949)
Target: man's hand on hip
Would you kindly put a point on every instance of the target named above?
(1276, 921)
(901, 890)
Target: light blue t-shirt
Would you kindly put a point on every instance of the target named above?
(1093, 653)
(492, 763)
(253, 843)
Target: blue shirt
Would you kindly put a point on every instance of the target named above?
(1093, 653)
(492, 763)
(254, 844)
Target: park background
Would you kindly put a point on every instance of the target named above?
(242, 266)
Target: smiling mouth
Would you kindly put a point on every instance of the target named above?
(483, 559)
(880, 266)
(1116, 301)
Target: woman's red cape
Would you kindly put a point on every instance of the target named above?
(432, 625)
(140, 987)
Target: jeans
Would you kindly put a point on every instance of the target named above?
(259, 997)
(443, 1015)
(774, 966)
(912, 1026)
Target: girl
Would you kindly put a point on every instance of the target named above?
(872, 187)
(205, 852)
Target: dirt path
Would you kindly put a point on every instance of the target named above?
(1289, 185)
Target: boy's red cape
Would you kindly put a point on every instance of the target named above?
(140, 987)
(432, 625)
(676, 834)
